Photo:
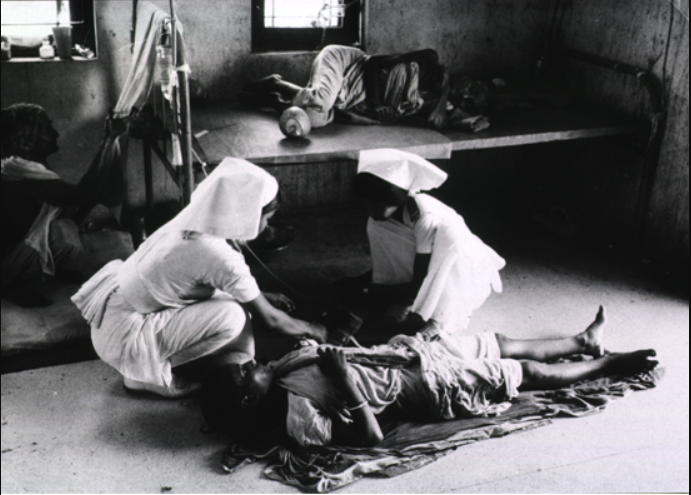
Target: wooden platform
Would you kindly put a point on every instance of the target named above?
(223, 128)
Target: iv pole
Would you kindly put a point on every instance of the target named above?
(182, 112)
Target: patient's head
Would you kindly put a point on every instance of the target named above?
(238, 399)
(472, 95)
(27, 132)
(295, 123)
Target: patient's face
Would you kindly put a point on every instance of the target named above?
(253, 380)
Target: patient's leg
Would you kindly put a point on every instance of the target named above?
(541, 376)
(588, 341)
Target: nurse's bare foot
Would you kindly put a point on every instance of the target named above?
(180, 388)
(629, 363)
(592, 336)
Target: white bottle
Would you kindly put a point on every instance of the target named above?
(164, 53)
(46, 51)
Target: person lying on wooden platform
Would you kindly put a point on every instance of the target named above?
(348, 84)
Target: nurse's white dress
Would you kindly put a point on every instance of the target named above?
(463, 270)
(174, 300)
(177, 298)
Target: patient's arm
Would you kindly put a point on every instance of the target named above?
(364, 431)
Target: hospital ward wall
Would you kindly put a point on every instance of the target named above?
(599, 181)
(485, 38)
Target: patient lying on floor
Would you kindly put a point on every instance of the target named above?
(325, 395)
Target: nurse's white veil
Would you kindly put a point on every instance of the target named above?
(229, 202)
(401, 168)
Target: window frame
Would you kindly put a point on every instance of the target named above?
(84, 33)
(272, 39)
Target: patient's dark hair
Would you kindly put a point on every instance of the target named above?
(219, 399)
(370, 187)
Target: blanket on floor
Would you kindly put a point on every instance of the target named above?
(409, 445)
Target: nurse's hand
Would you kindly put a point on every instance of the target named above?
(319, 332)
(280, 301)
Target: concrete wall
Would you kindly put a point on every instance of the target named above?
(605, 180)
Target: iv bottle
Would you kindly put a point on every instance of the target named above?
(164, 55)
(46, 51)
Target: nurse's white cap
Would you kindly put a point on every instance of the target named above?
(401, 168)
(229, 202)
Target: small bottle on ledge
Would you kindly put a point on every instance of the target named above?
(46, 51)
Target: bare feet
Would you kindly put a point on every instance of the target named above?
(630, 363)
(180, 388)
(592, 336)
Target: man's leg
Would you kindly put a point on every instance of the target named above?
(587, 342)
(541, 376)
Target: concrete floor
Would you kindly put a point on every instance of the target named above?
(73, 429)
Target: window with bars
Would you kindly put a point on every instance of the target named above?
(287, 25)
(27, 24)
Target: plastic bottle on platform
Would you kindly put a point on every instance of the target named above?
(164, 55)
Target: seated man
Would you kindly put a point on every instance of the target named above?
(333, 396)
(38, 238)
(366, 89)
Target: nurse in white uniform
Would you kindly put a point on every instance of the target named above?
(422, 250)
(187, 292)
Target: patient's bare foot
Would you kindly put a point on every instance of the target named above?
(592, 336)
(629, 363)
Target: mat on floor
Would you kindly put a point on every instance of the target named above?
(410, 445)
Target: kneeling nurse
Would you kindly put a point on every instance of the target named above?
(186, 292)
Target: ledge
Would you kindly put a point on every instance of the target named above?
(223, 128)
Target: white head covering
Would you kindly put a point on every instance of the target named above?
(229, 202)
(400, 168)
